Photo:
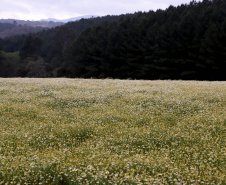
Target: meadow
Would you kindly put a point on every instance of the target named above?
(89, 131)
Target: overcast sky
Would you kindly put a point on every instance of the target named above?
(63, 9)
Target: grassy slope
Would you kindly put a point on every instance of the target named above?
(71, 131)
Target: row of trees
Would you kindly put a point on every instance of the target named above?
(18, 30)
(46, 49)
(184, 42)
(11, 27)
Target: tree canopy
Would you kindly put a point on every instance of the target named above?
(184, 42)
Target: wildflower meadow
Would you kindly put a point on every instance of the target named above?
(93, 131)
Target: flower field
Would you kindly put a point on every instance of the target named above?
(88, 131)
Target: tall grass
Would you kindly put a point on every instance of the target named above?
(79, 131)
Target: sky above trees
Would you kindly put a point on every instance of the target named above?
(63, 9)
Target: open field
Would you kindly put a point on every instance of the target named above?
(79, 131)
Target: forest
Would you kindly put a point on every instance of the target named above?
(11, 27)
(186, 42)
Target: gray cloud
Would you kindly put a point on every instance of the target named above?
(61, 9)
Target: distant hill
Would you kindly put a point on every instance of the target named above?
(12, 27)
(46, 24)
(9, 31)
(70, 19)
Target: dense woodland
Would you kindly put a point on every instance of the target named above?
(12, 27)
(185, 42)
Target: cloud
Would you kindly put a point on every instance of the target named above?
(61, 9)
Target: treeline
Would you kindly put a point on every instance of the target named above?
(12, 27)
(18, 30)
(184, 42)
(6, 26)
(42, 23)
(42, 54)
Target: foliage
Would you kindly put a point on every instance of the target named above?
(11, 27)
(8, 64)
(19, 30)
(184, 42)
(54, 43)
(5, 26)
(36, 68)
(77, 131)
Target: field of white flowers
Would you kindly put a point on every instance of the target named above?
(88, 131)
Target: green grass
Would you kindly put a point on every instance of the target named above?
(80, 131)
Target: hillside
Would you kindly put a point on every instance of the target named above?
(41, 23)
(184, 42)
(11, 27)
(18, 30)
(50, 48)
(70, 19)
